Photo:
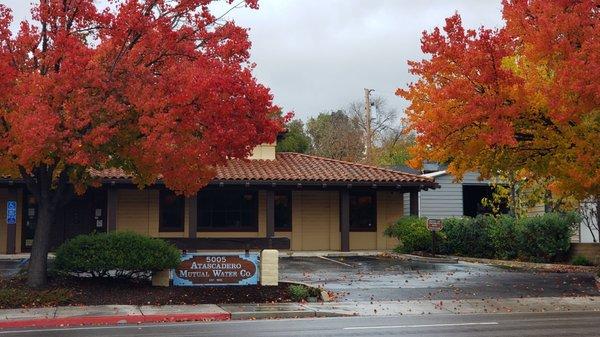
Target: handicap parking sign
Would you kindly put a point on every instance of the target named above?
(11, 212)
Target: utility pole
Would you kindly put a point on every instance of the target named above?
(368, 131)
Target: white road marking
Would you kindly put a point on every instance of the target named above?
(418, 326)
(336, 261)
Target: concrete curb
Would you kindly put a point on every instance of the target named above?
(112, 320)
(286, 254)
(303, 310)
(437, 259)
(542, 267)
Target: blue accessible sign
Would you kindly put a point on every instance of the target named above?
(11, 212)
(216, 269)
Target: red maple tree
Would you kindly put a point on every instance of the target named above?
(524, 98)
(159, 88)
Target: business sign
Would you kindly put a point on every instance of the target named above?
(11, 212)
(434, 225)
(216, 269)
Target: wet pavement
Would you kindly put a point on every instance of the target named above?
(387, 279)
(10, 267)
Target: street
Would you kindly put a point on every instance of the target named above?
(544, 324)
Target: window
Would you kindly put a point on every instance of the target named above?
(283, 211)
(172, 208)
(473, 204)
(228, 210)
(363, 210)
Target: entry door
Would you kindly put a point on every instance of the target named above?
(82, 215)
(85, 214)
(77, 217)
(29, 220)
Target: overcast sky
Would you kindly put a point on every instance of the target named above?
(318, 55)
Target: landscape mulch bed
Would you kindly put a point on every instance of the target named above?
(541, 267)
(15, 294)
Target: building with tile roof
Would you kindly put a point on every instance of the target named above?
(307, 202)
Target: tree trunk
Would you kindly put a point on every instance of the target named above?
(50, 192)
(597, 211)
(36, 275)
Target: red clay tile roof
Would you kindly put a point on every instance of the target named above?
(296, 167)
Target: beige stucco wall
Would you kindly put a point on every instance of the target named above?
(4, 197)
(137, 211)
(389, 210)
(315, 219)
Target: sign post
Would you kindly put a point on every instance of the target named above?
(434, 225)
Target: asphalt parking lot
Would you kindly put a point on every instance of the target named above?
(387, 279)
(9, 268)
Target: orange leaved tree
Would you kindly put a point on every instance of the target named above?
(522, 98)
(155, 87)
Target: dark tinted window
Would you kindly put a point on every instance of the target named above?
(473, 204)
(172, 208)
(283, 211)
(228, 210)
(363, 210)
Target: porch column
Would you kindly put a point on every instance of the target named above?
(11, 228)
(192, 208)
(111, 209)
(414, 202)
(345, 220)
(270, 213)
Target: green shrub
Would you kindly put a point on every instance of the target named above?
(581, 260)
(118, 254)
(298, 292)
(412, 233)
(469, 236)
(546, 238)
(503, 233)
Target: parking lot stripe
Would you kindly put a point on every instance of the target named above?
(339, 262)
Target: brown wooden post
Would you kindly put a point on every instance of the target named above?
(192, 216)
(270, 213)
(414, 203)
(345, 220)
(11, 229)
(111, 209)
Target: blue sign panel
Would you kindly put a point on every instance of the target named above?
(11, 212)
(217, 269)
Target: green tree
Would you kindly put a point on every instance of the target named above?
(393, 149)
(295, 139)
(335, 135)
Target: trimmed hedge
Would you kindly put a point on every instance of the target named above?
(546, 238)
(412, 233)
(118, 254)
(468, 236)
(504, 237)
(543, 238)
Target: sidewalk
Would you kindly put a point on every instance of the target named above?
(129, 314)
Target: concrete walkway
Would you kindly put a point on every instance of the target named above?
(128, 314)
